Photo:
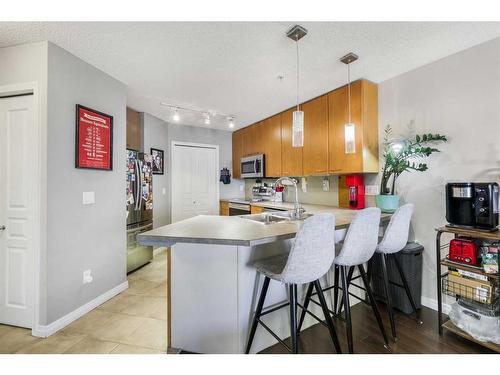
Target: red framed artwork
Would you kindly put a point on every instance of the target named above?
(94, 139)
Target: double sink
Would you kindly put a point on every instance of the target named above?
(276, 217)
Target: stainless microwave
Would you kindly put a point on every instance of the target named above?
(252, 166)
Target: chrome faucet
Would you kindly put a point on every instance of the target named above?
(298, 210)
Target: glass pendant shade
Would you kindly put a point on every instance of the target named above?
(350, 138)
(298, 129)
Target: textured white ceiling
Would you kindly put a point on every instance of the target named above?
(232, 67)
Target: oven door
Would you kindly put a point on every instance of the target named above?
(237, 209)
(252, 166)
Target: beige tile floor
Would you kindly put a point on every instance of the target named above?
(133, 322)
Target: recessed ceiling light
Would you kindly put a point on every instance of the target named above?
(231, 122)
(176, 117)
(207, 119)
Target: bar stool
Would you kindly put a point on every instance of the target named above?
(310, 258)
(358, 247)
(394, 240)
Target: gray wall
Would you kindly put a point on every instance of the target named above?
(156, 136)
(458, 96)
(82, 237)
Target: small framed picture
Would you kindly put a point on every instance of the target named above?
(158, 161)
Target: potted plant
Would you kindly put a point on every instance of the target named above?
(398, 157)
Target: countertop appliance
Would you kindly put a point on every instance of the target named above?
(465, 250)
(262, 193)
(236, 209)
(252, 166)
(356, 190)
(473, 205)
(139, 207)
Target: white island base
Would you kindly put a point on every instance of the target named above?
(214, 294)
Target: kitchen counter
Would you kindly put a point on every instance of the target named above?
(236, 230)
(213, 285)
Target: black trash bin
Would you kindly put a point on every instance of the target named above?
(411, 261)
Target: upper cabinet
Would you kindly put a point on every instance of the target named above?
(237, 152)
(324, 150)
(269, 132)
(134, 132)
(364, 113)
(315, 151)
(291, 157)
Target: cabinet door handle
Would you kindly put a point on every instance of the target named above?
(3, 227)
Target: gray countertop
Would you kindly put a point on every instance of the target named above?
(234, 230)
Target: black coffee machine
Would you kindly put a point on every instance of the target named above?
(472, 205)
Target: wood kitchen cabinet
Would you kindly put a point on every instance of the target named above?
(269, 136)
(224, 208)
(237, 152)
(315, 151)
(324, 136)
(134, 131)
(364, 114)
(291, 157)
(256, 210)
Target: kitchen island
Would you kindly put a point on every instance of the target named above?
(213, 286)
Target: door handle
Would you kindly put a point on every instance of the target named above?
(3, 227)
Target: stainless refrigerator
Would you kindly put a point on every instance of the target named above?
(139, 207)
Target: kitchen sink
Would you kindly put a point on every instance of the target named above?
(275, 217)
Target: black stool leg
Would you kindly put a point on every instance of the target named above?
(293, 318)
(336, 289)
(373, 303)
(328, 318)
(347, 309)
(258, 311)
(306, 304)
(383, 258)
(407, 288)
(349, 277)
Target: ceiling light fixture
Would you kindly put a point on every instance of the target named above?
(176, 117)
(349, 127)
(296, 33)
(207, 115)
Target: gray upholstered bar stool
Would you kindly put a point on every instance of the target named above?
(358, 247)
(310, 258)
(394, 240)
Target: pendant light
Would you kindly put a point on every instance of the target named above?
(296, 33)
(349, 127)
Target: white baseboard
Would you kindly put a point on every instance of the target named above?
(48, 330)
(432, 304)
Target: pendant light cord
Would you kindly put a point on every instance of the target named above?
(297, 43)
(349, 89)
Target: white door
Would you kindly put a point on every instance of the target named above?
(16, 211)
(195, 183)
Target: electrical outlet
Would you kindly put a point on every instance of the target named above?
(87, 276)
(304, 184)
(164, 191)
(326, 184)
(242, 187)
(371, 190)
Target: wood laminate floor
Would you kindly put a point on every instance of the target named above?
(412, 337)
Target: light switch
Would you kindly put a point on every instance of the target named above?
(164, 191)
(88, 197)
(304, 184)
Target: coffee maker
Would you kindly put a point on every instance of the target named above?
(472, 205)
(356, 190)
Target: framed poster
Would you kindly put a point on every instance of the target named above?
(94, 139)
(158, 161)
